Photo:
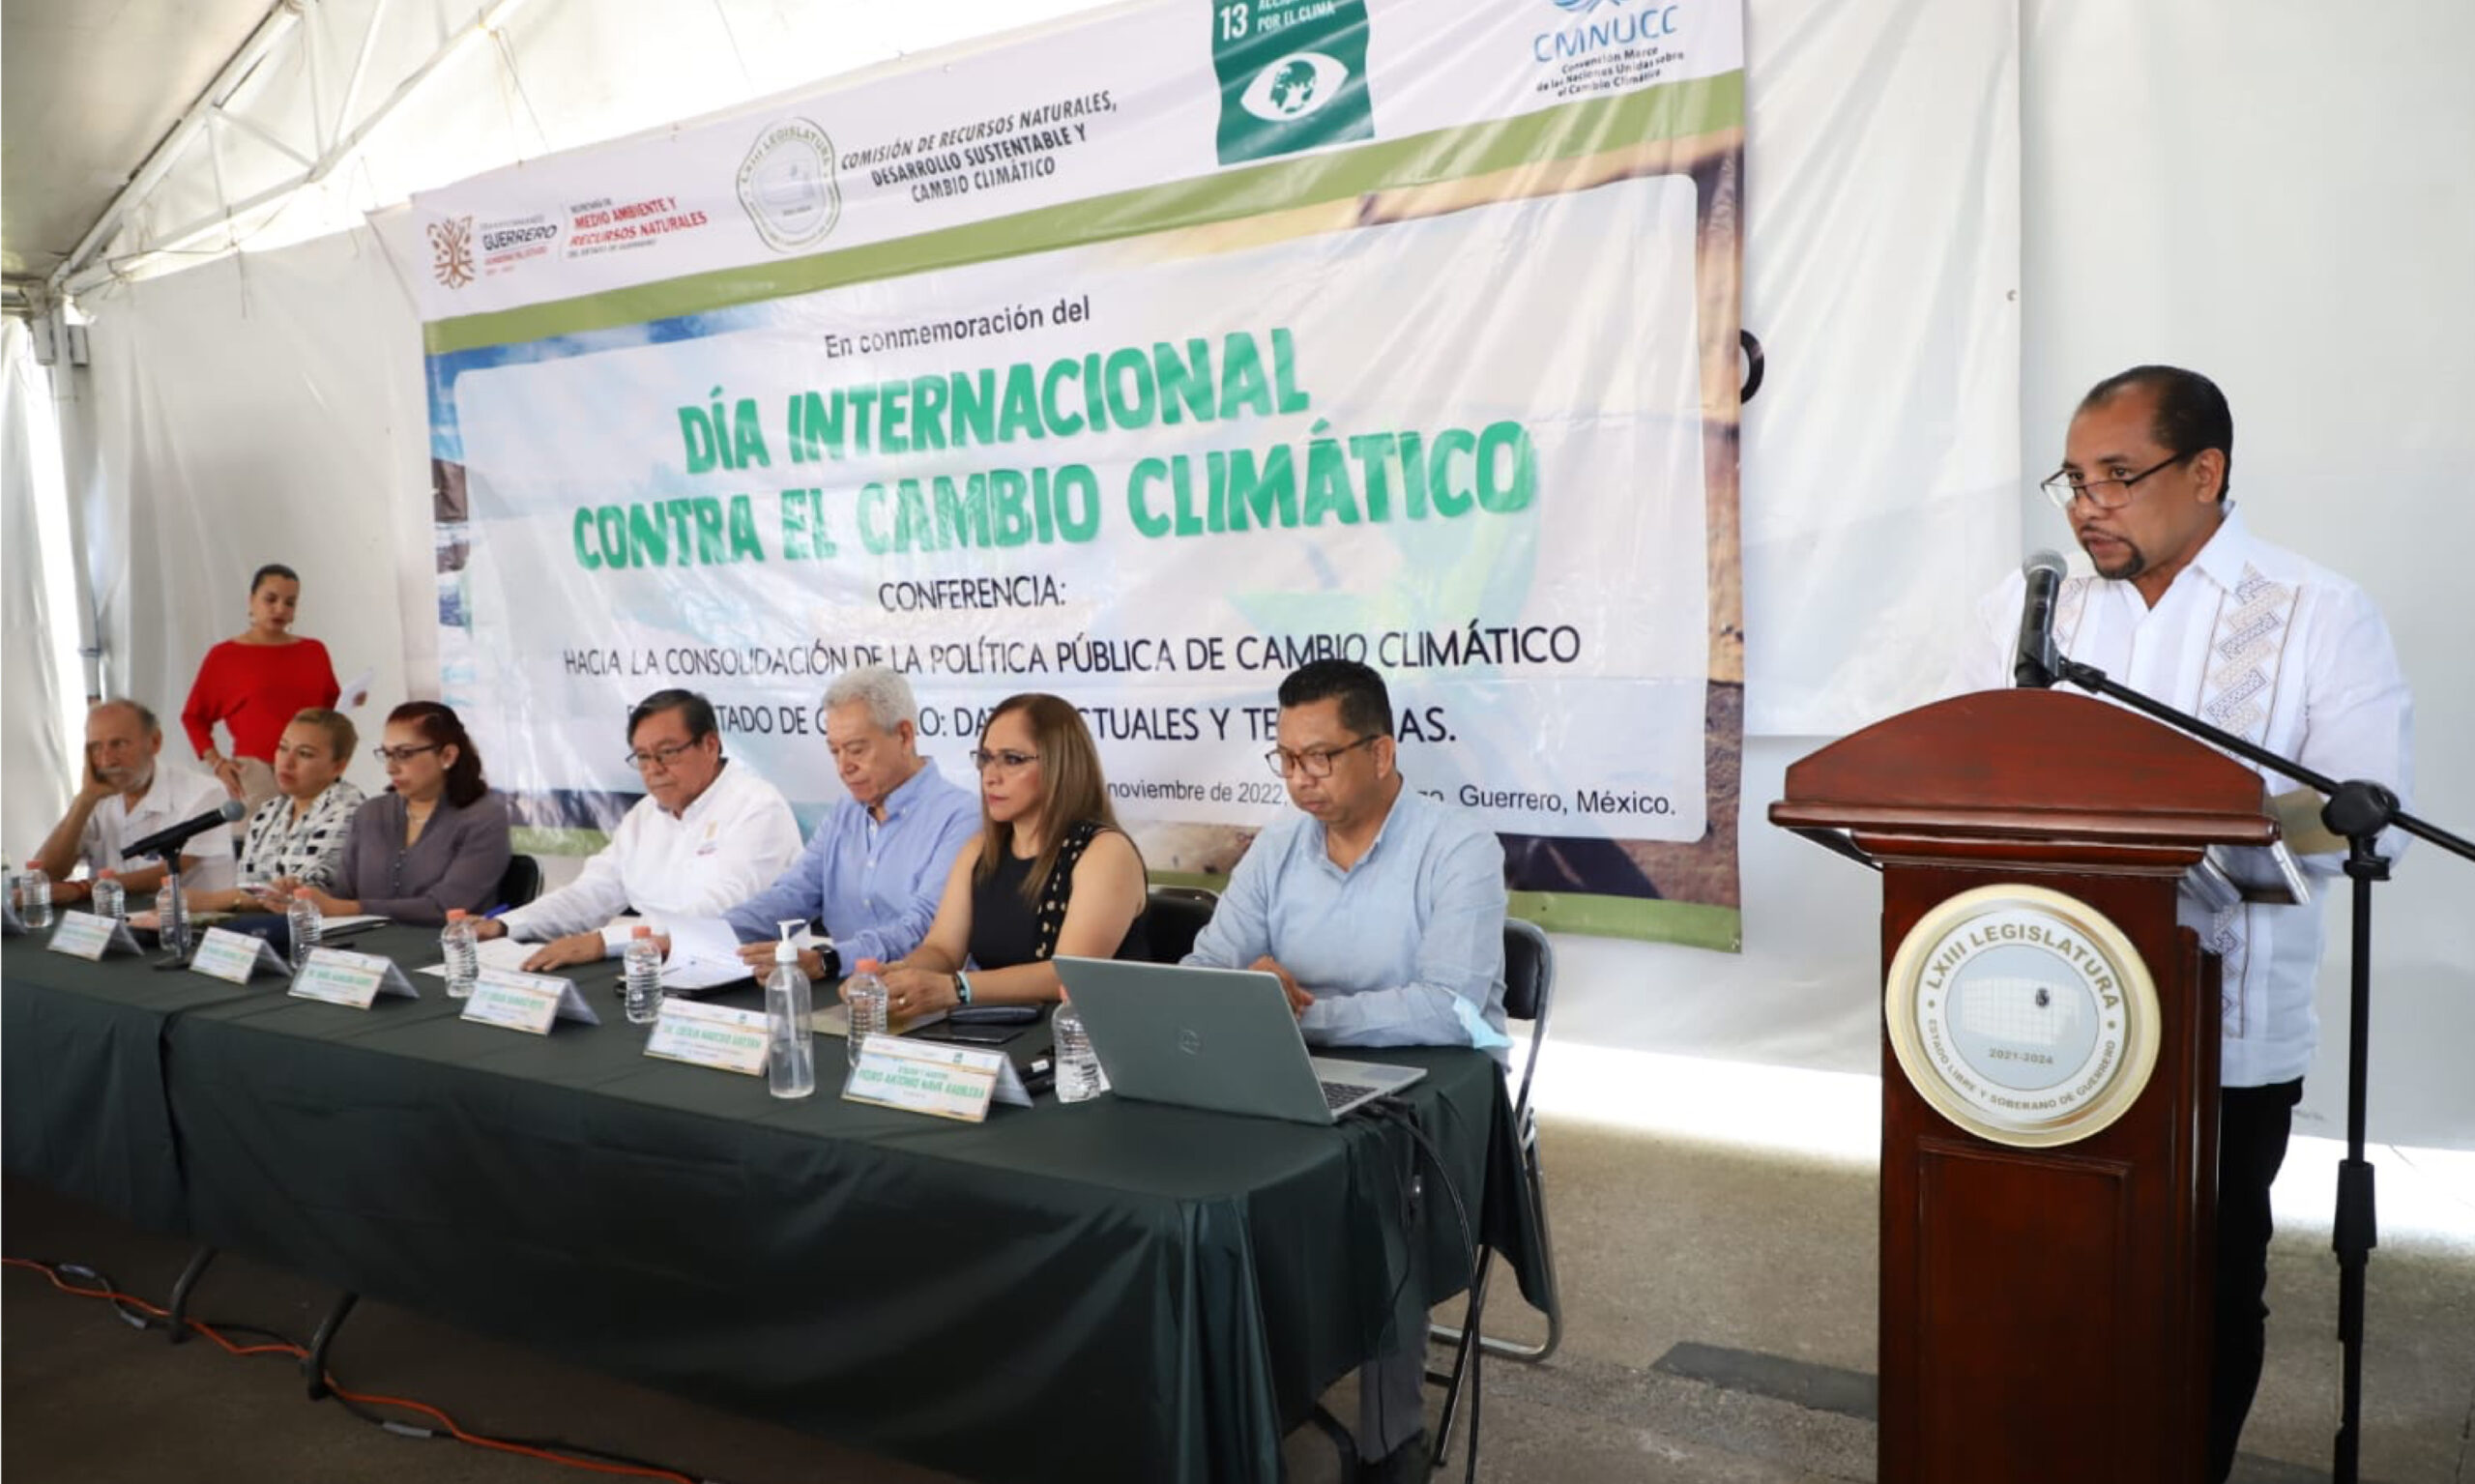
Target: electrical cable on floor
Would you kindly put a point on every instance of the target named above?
(140, 1314)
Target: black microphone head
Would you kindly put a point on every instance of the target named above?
(2048, 560)
(233, 810)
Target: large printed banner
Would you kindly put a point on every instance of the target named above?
(1139, 360)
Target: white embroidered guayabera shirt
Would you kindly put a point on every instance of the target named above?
(2285, 654)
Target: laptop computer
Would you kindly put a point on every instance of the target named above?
(1221, 1039)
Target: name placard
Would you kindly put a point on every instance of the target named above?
(934, 1077)
(236, 957)
(525, 1001)
(709, 1036)
(342, 978)
(84, 935)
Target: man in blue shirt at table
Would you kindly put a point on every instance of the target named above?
(874, 869)
(1382, 911)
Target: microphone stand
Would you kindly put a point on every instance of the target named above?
(2358, 810)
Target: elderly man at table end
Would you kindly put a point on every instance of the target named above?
(125, 795)
(873, 871)
(1383, 913)
(708, 833)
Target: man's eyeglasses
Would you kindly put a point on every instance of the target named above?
(1313, 762)
(1009, 760)
(665, 756)
(2105, 494)
(401, 754)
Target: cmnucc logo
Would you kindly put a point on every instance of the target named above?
(1294, 87)
(787, 186)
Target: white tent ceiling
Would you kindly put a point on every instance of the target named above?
(148, 136)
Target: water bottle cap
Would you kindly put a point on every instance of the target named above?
(301, 893)
(107, 874)
(869, 965)
(641, 930)
(456, 914)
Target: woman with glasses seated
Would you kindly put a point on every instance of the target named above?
(298, 835)
(1049, 873)
(437, 839)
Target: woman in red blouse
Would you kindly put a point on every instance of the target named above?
(255, 683)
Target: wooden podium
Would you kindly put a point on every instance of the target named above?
(2048, 1151)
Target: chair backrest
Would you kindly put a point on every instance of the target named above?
(522, 882)
(1177, 913)
(1530, 993)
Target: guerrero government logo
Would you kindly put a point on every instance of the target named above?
(2023, 1016)
(786, 185)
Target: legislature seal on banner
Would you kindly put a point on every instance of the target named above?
(787, 186)
(2023, 1016)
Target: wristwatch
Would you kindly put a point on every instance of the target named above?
(961, 988)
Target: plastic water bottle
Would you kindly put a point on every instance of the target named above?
(306, 924)
(463, 954)
(110, 900)
(643, 965)
(34, 898)
(1078, 1070)
(172, 920)
(864, 995)
(790, 1060)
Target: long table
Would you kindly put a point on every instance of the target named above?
(1107, 1289)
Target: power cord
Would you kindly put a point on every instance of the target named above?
(138, 1314)
(1398, 1110)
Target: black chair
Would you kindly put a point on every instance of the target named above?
(1529, 994)
(1176, 913)
(521, 883)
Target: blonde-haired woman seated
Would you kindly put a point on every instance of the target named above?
(298, 835)
(1049, 873)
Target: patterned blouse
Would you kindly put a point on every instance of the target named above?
(312, 848)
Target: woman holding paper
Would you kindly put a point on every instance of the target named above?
(298, 835)
(437, 839)
(254, 683)
(1049, 873)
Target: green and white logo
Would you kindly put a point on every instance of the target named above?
(1293, 76)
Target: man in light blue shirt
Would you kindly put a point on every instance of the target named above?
(1381, 909)
(874, 869)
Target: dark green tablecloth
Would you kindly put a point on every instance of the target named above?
(1109, 1290)
(82, 1108)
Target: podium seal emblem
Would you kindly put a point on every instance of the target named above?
(2023, 1016)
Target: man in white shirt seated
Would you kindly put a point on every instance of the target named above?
(126, 796)
(707, 834)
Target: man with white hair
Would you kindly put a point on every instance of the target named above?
(125, 796)
(874, 869)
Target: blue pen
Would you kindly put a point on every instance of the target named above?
(500, 911)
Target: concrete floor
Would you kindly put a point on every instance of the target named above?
(1682, 1262)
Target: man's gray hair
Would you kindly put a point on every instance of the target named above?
(884, 692)
(142, 712)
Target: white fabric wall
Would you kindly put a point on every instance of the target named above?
(264, 408)
(38, 671)
(1924, 351)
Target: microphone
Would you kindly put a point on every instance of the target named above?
(2034, 662)
(166, 842)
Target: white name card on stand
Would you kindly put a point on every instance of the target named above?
(84, 935)
(236, 957)
(709, 1036)
(341, 978)
(934, 1077)
(525, 1001)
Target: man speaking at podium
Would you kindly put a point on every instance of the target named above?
(2188, 607)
